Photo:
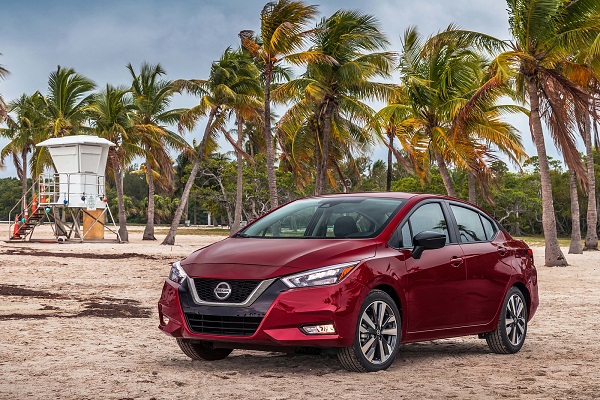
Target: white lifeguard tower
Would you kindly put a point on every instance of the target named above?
(77, 189)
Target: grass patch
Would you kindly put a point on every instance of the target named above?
(195, 231)
(540, 241)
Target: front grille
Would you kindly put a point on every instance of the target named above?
(240, 289)
(223, 325)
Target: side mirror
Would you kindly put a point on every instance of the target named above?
(427, 240)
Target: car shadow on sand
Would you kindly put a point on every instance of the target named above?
(274, 364)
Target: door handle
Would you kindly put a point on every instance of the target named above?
(456, 261)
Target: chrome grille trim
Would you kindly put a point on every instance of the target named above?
(248, 302)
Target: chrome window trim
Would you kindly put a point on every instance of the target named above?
(248, 302)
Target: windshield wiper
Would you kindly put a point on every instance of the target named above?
(241, 235)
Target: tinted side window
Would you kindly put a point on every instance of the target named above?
(429, 217)
(470, 228)
(490, 230)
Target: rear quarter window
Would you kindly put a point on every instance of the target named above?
(489, 228)
(470, 227)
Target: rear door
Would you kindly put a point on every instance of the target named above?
(487, 263)
(436, 281)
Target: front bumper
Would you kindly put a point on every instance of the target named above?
(273, 319)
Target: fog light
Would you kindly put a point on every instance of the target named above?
(165, 319)
(319, 329)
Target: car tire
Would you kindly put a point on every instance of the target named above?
(199, 350)
(510, 333)
(377, 336)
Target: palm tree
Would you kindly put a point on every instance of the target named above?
(69, 95)
(545, 36)
(436, 84)
(575, 245)
(282, 35)
(591, 236)
(232, 85)
(24, 130)
(151, 115)
(333, 92)
(588, 77)
(110, 114)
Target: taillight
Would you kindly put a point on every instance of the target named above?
(530, 254)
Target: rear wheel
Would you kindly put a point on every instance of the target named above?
(510, 333)
(377, 336)
(199, 350)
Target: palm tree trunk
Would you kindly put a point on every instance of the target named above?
(271, 177)
(317, 159)
(149, 230)
(591, 237)
(553, 254)
(170, 238)
(388, 181)
(341, 175)
(575, 247)
(446, 177)
(24, 179)
(237, 217)
(123, 233)
(320, 189)
(472, 190)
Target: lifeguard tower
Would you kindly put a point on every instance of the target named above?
(73, 199)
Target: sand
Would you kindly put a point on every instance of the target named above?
(79, 321)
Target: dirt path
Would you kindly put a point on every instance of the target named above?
(79, 321)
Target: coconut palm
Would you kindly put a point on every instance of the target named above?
(331, 95)
(26, 128)
(389, 126)
(283, 32)
(232, 86)
(69, 95)
(246, 107)
(150, 117)
(545, 36)
(110, 114)
(436, 85)
(446, 109)
(591, 236)
(590, 78)
(575, 245)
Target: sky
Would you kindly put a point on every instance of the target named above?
(99, 38)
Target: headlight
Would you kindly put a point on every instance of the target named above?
(177, 273)
(320, 276)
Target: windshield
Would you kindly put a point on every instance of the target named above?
(342, 217)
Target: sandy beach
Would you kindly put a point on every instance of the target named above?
(79, 321)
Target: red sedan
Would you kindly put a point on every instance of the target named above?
(354, 273)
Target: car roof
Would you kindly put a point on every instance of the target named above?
(393, 195)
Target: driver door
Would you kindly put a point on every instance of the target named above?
(436, 281)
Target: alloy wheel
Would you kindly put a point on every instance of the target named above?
(378, 332)
(515, 322)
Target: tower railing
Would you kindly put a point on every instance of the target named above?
(58, 188)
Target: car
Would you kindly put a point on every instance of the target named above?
(357, 274)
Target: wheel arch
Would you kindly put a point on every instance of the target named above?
(393, 294)
(521, 286)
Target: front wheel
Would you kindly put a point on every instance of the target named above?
(377, 337)
(199, 350)
(510, 333)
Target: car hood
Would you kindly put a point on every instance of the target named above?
(249, 258)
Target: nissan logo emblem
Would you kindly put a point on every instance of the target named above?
(222, 291)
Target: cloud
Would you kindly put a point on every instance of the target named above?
(99, 38)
